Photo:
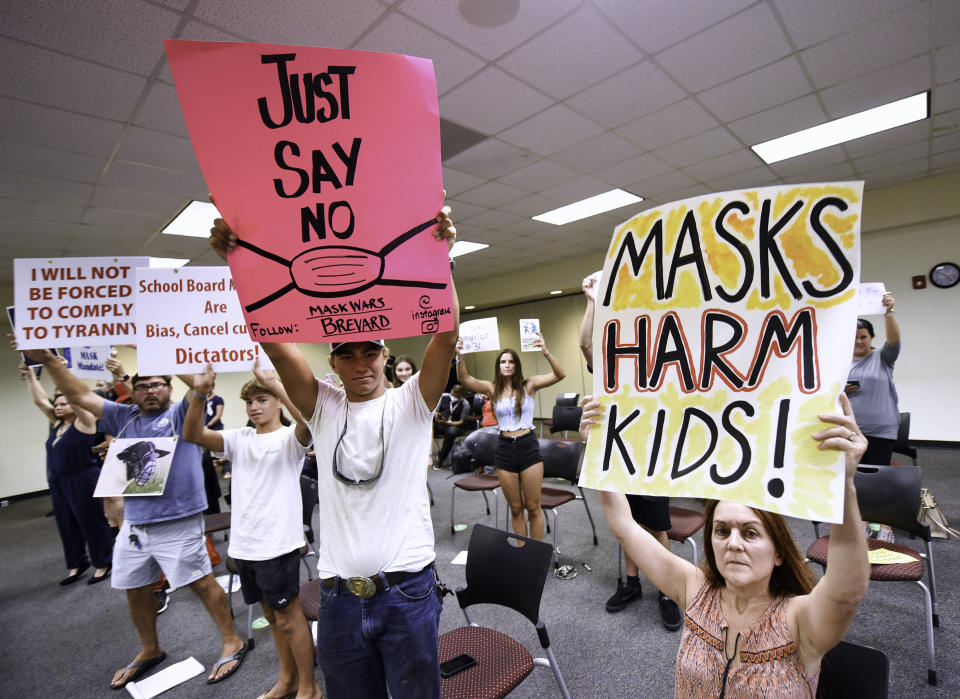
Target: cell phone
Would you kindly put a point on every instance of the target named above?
(458, 664)
(851, 382)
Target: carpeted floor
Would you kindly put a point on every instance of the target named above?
(67, 642)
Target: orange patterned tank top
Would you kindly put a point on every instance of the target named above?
(769, 666)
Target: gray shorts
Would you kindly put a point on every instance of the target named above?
(177, 548)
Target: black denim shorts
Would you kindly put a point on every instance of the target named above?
(516, 454)
(275, 581)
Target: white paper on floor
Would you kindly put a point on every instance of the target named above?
(460, 559)
(167, 678)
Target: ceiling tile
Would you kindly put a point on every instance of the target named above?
(809, 162)
(889, 139)
(296, 22)
(577, 189)
(812, 21)
(903, 154)
(946, 142)
(33, 188)
(132, 200)
(659, 24)
(838, 172)
(597, 153)
(507, 101)
(489, 159)
(880, 43)
(56, 128)
(456, 182)
(492, 194)
(898, 172)
(161, 111)
(39, 210)
(655, 187)
(154, 179)
(524, 226)
(633, 170)
(945, 160)
(947, 63)
(674, 123)
(740, 160)
(592, 50)
(551, 131)
(946, 97)
(735, 46)
(158, 149)
(533, 205)
(703, 146)
(30, 159)
(756, 177)
(779, 121)
(462, 210)
(641, 89)
(539, 176)
(134, 221)
(494, 219)
(946, 19)
(879, 87)
(398, 34)
(64, 27)
(763, 88)
(37, 75)
(489, 42)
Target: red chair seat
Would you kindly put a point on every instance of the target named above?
(684, 523)
(483, 481)
(310, 599)
(900, 572)
(554, 497)
(502, 663)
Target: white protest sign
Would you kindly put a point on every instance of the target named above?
(480, 335)
(870, 299)
(89, 362)
(136, 466)
(188, 317)
(529, 329)
(71, 300)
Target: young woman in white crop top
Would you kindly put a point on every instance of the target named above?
(518, 461)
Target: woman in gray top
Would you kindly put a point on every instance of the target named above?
(870, 386)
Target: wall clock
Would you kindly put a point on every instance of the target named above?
(945, 275)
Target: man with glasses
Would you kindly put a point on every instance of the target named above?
(379, 608)
(159, 533)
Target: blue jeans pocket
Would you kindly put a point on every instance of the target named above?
(418, 587)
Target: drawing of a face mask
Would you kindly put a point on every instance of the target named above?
(339, 270)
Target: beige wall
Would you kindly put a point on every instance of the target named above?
(906, 230)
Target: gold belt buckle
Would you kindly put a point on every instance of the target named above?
(362, 587)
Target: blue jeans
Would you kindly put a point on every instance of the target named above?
(388, 640)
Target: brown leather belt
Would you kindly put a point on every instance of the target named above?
(368, 587)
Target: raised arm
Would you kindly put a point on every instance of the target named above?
(435, 368)
(823, 616)
(467, 381)
(194, 428)
(120, 375)
(556, 371)
(298, 380)
(673, 575)
(75, 390)
(586, 325)
(269, 379)
(891, 327)
(37, 393)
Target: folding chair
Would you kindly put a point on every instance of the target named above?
(308, 498)
(502, 573)
(231, 566)
(902, 444)
(684, 524)
(482, 445)
(849, 671)
(566, 414)
(560, 460)
(891, 495)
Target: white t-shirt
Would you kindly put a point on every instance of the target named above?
(384, 526)
(265, 506)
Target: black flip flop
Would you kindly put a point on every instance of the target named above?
(142, 667)
(238, 657)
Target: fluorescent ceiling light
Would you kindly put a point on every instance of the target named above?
(468, 308)
(554, 293)
(462, 247)
(168, 262)
(194, 220)
(590, 206)
(872, 121)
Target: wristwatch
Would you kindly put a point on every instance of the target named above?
(125, 377)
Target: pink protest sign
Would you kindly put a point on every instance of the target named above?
(326, 163)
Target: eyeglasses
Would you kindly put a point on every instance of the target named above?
(150, 387)
(343, 478)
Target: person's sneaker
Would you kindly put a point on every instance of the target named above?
(163, 600)
(669, 613)
(624, 595)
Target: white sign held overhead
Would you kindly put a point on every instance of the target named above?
(870, 299)
(69, 301)
(529, 329)
(89, 362)
(188, 317)
(480, 335)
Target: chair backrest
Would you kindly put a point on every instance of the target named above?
(560, 458)
(849, 671)
(482, 444)
(309, 497)
(565, 417)
(891, 495)
(498, 572)
(902, 444)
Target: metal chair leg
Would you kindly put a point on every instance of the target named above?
(589, 514)
(933, 586)
(931, 656)
(453, 498)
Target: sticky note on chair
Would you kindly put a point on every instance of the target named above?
(888, 557)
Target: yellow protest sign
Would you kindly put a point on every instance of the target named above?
(724, 326)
